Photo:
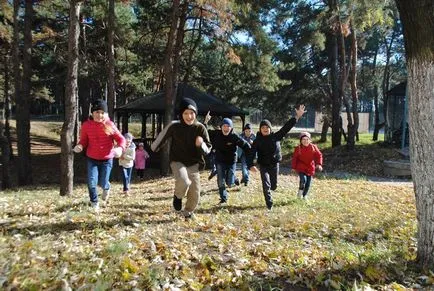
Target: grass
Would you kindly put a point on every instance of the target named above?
(351, 234)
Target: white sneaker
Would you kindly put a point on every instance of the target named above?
(95, 206)
(105, 195)
(300, 194)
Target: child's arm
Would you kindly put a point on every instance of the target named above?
(318, 158)
(280, 134)
(162, 137)
(294, 159)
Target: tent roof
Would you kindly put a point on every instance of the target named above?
(154, 103)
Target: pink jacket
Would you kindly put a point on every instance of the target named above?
(141, 157)
(304, 159)
(98, 139)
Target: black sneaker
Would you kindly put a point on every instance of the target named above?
(222, 202)
(237, 182)
(212, 175)
(177, 203)
(270, 205)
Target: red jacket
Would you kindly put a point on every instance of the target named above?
(98, 139)
(304, 159)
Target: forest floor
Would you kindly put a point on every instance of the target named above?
(352, 233)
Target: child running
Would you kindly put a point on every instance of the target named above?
(190, 143)
(305, 159)
(141, 157)
(225, 144)
(98, 136)
(249, 137)
(126, 162)
(267, 147)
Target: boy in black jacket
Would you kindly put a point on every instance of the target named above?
(225, 144)
(267, 147)
(190, 143)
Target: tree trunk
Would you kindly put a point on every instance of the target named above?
(170, 84)
(354, 94)
(25, 176)
(111, 90)
(418, 24)
(67, 134)
(332, 44)
(195, 45)
(325, 128)
(7, 132)
(4, 140)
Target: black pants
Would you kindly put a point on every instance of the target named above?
(269, 181)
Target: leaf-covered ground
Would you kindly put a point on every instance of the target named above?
(350, 233)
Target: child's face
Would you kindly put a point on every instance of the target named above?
(141, 147)
(99, 115)
(226, 129)
(305, 141)
(189, 116)
(128, 142)
(265, 130)
(247, 132)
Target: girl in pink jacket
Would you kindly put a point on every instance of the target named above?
(141, 157)
(306, 158)
(102, 142)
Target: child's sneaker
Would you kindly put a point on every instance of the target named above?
(188, 215)
(177, 203)
(95, 206)
(105, 195)
(300, 194)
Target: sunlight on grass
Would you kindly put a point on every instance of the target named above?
(345, 232)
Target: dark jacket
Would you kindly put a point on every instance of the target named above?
(225, 146)
(183, 137)
(267, 147)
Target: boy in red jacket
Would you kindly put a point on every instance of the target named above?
(306, 158)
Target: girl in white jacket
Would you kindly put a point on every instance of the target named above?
(126, 161)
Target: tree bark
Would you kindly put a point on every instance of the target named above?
(25, 176)
(71, 97)
(352, 129)
(4, 140)
(111, 90)
(418, 24)
(170, 83)
(332, 43)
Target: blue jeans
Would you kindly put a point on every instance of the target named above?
(244, 169)
(98, 173)
(225, 175)
(305, 182)
(126, 177)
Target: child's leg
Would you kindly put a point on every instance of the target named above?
(105, 169)
(307, 185)
(124, 178)
(274, 172)
(92, 179)
(302, 183)
(266, 186)
(193, 192)
(221, 181)
(182, 181)
(244, 170)
(129, 174)
(230, 174)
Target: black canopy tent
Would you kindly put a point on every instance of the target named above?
(152, 109)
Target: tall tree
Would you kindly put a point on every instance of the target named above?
(111, 84)
(418, 23)
(25, 176)
(71, 100)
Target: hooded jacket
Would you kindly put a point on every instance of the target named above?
(267, 147)
(305, 158)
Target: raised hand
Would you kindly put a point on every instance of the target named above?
(207, 118)
(300, 111)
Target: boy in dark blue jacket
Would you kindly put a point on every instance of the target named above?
(225, 144)
(267, 147)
